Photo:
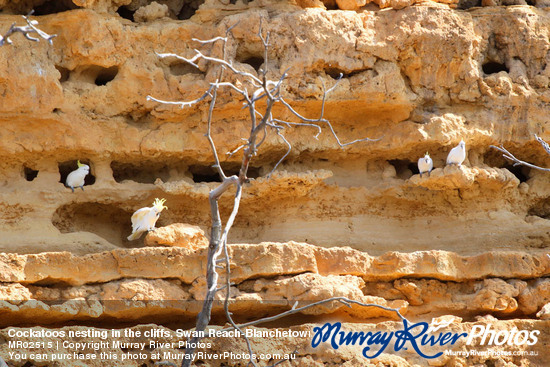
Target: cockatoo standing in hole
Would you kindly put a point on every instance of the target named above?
(144, 219)
(457, 155)
(76, 177)
(425, 164)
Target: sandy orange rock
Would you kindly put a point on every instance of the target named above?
(468, 243)
(177, 234)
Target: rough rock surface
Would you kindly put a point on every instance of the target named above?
(464, 245)
(177, 234)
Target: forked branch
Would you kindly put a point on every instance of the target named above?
(28, 31)
(294, 310)
(517, 162)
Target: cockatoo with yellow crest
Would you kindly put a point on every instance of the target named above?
(425, 164)
(76, 177)
(144, 219)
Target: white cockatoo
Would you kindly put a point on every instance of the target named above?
(76, 177)
(425, 164)
(457, 155)
(144, 219)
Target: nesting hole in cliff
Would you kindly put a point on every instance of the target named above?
(105, 75)
(52, 283)
(467, 4)
(413, 167)
(337, 73)
(251, 53)
(334, 73)
(492, 67)
(148, 172)
(189, 8)
(64, 73)
(68, 166)
(541, 209)
(126, 13)
(210, 174)
(54, 6)
(204, 174)
(105, 220)
(404, 169)
(521, 172)
(29, 173)
(255, 61)
(493, 158)
(94, 74)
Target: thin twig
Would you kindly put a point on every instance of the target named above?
(543, 143)
(236, 150)
(190, 61)
(228, 272)
(217, 164)
(321, 118)
(265, 43)
(293, 311)
(263, 138)
(284, 156)
(230, 85)
(517, 162)
(212, 40)
(226, 64)
(289, 123)
(27, 31)
(186, 103)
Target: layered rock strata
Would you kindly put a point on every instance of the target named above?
(465, 243)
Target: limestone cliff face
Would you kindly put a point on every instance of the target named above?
(357, 222)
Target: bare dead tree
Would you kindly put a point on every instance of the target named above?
(28, 31)
(517, 162)
(261, 124)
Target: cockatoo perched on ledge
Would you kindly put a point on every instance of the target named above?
(76, 177)
(457, 155)
(144, 219)
(425, 164)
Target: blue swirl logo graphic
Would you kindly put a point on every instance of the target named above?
(415, 335)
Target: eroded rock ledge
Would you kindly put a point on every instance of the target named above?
(268, 260)
(168, 283)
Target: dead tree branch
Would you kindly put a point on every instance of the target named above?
(261, 124)
(346, 301)
(543, 143)
(517, 162)
(27, 31)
